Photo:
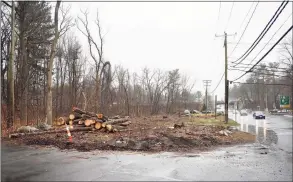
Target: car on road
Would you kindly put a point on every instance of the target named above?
(274, 111)
(243, 113)
(249, 111)
(259, 115)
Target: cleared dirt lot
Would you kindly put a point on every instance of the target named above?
(152, 134)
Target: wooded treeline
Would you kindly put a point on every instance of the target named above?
(50, 66)
(268, 81)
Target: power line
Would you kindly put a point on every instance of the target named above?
(244, 28)
(259, 66)
(219, 13)
(246, 15)
(263, 33)
(230, 15)
(281, 84)
(270, 40)
(245, 64)
(273, 47)
(218, 83)
(242, 43)
(266, 53)
(266, 68)
(234, 69)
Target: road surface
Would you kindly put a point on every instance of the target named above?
(274, 130)
(269, 159)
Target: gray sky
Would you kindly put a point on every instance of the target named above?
(173, 35)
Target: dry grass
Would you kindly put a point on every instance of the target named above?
(210, 120)
(243, 136)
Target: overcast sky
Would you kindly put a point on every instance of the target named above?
(172, 35)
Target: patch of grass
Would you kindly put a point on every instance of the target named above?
(219, 121)
(243, 136)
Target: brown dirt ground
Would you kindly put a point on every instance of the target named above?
(145, 134)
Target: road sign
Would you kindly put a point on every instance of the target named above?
(284, 101)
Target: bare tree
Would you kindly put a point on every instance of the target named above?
(59, 31)
(173, 88)
(5, 48)
(10, 71)
(99, 48)
(50, 68)
(160, 85)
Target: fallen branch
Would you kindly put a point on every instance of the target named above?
(77, 110)
(75, 129)
(125, 123)
(117, 121)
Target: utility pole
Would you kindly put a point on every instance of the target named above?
(226, 75)
(226, 80)
(292, 70)
(215, 106)
(206, 84)
(274, 93)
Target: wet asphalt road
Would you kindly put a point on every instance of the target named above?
(268, 159)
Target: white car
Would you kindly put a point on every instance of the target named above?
(243, 113)
(186, 112)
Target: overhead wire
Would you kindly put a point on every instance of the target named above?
(246, 15)
(263, 33)
(269, 40)
(219, 13)
(259, 69)
(265, 53)
(244, 29)
(280, 84)
(245, 64)
(218, 83)
(273, 47)
(230, 15)
(267, 68)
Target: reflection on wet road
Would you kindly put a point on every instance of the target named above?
(268, 159)
(274, 130)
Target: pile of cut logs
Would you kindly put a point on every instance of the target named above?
(97, 121)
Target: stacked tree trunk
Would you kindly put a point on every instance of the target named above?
(96, 121)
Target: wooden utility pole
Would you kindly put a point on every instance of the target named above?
(215, 106)
(292, 69)
(226, 80)
(10, 75)
(226, 75)
(206, 84)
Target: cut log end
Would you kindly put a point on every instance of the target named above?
(109, 127)
(98, 125)
(62, 120)
(71, 116)
(89, 122)
(70, 122)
